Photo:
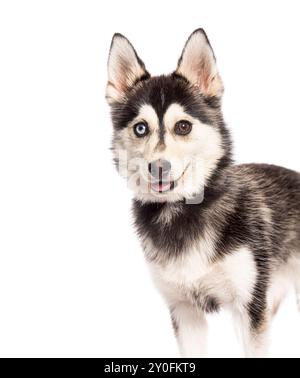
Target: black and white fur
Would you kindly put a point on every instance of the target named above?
(235, 247)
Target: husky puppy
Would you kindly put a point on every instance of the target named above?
(214, 234)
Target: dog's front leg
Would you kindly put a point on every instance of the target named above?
(254, 338)
(190, 327)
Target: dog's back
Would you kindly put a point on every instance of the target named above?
(272, 194)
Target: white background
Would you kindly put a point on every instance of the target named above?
(72, 276)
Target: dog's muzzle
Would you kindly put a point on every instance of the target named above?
(160, 169)
(160, 176)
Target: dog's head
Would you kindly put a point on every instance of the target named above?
(169, 135)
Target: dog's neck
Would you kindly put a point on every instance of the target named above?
(171, 227)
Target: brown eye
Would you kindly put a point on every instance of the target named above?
(183, 128)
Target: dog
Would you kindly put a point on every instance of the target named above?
(215, 235)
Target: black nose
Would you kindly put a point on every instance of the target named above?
(159, 169)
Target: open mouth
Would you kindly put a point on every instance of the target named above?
(165, 186)
(162, 186)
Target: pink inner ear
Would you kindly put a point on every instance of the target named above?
(198, 65)
(205, 79)
(127, 74)
(121, 75)
(203, 73)
(124, 69)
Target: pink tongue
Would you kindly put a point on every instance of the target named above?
(161, 187)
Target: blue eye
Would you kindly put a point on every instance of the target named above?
(141, 129)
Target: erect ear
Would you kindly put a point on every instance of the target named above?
(125, 69)
(198, 65)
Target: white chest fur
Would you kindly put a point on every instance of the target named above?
(230, 279)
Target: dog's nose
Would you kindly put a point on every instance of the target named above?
(159, 168)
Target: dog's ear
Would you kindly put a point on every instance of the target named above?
(125, 69)
(198, 65)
